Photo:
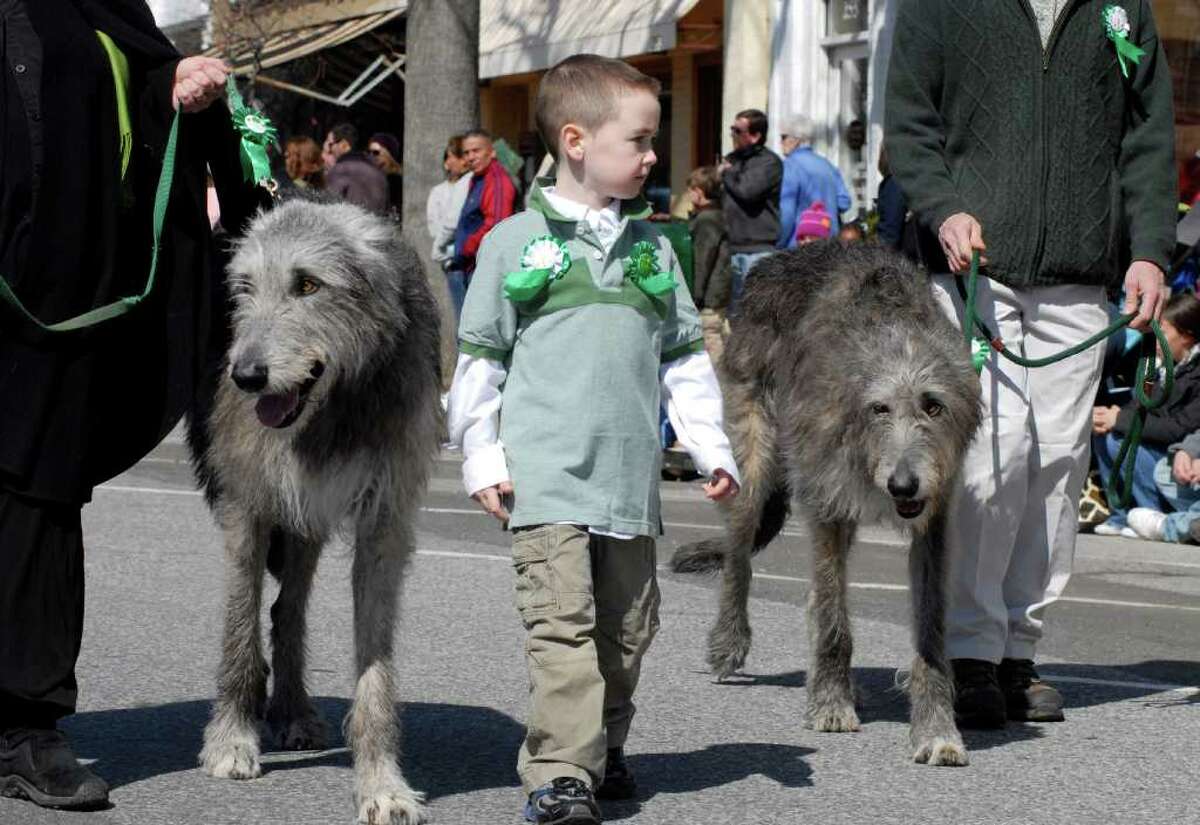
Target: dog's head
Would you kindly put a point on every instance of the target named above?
(918, 414)
(316, 293)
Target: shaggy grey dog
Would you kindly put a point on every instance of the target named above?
(848, 393)
(325, 418)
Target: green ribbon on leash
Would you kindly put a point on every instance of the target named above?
(256, 133)
(979, 338)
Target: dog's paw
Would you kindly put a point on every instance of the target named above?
(231, 760)
(940, 750)
(307, 733)
(728, 647)
(833, 718)
(397, 807)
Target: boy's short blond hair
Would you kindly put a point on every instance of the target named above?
(585, 89)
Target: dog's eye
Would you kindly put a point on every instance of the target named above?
(880, 410)
(933, 408)
(307, 285)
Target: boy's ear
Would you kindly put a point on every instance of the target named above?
(571, 139)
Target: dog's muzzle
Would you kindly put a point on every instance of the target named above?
(277, 410)
(904, 487)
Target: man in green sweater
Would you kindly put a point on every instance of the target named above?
(1044, 127)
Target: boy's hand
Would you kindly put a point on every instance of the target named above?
(721, 486)
(489, 499)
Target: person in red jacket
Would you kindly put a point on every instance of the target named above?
(491, 198)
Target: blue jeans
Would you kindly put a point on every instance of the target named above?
(1145, 491)
(741, 263)
(1185, 501)
(456, 282)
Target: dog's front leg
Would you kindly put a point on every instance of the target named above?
(231, 746)
(296, 723)
(935, 737)
(830, 691)
(382, 795)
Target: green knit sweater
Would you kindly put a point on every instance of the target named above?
(1067, 165)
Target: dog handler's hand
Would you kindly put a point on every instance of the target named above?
(1145, 293)
(198, 82)
(721, 486)
(960, 235)
(489, 499)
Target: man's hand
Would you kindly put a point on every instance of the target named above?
(960, 235)
(1145, 293)
(721, 486)
(198, 82)
(489, 499)
(1183, 467)
(1104, 419)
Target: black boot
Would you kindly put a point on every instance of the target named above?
(1027, 697)
(39, 765)
(978, 700)
(618, 778)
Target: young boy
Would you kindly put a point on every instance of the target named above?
(576, 314)
(712, 279)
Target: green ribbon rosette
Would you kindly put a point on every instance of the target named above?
(1116, 26)
(256, 133)
(641, 267)
(544, 259)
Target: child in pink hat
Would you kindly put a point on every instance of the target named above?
(814, 224)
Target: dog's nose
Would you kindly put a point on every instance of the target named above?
(250, 377)
(903, 485)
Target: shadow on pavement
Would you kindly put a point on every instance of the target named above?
(445, 749)
(711, 767)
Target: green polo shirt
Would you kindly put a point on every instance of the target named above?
(580, 411)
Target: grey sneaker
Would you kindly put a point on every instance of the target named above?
(563, 801)
(1027, 697)
(39, 765)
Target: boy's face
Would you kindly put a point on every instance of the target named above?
(618, 155)
(696, 195)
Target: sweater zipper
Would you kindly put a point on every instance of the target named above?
(1040, 249)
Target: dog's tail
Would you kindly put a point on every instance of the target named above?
(708, 556)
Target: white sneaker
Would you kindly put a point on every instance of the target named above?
(1110, 529)
(1147, 523)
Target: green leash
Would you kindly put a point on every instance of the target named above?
(1146, 367)
(255, 131)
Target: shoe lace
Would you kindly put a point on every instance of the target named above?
(567, 787)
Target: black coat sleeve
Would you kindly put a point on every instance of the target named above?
(1173, 423)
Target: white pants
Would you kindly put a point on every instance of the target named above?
(1012, 528)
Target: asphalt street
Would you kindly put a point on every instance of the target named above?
(1124, 646)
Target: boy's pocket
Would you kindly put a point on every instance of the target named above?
(534, 587)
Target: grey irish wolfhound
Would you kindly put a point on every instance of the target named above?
(325, 418)
(848, 393)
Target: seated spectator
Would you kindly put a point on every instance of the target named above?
(353, 177)
(815, 224)
(302, 159)
(1165, 426)
(1178, 479)
(712, 279)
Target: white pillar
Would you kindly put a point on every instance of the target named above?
(747, 60)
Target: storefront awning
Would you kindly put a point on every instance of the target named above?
(518, 36)
(290, 44)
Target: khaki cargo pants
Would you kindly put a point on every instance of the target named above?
(590, 607)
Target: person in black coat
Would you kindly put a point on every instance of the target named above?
(78, 408)
(1164, 426)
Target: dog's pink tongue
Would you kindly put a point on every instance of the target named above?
(273, 410)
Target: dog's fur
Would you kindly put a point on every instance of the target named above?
(848, 393)
(361, 354)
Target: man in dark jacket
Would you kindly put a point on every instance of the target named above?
(353, 177)
(1047, 128)
(77, 187)
(751, 176)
